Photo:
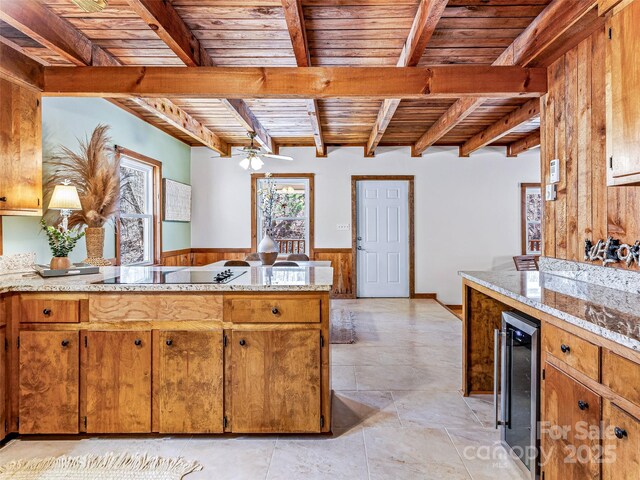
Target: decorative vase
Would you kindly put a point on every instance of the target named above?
(95, 247)
(60, 263)
(268, 249)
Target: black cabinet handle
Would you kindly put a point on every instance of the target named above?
(582, 405)
(620, 432)
(46, 312)
(65, 343)
(242, 342)
(275, 310)
(138, 342)
(169, 342)
(565, 348)
(3, 199)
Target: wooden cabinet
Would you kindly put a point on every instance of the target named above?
(3, 379)
(572, 350)
(623, 91)
(20, 150)
(275, 381)
(188, 381)
(271, 309)
(569, 412)
(49, 381)
(47, 310)
(117, 381)
(621, 444)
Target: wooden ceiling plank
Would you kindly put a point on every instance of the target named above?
(17, 67)
(440, 81)
(295, 24)
(424, 24)
(558, 17)
(524, 144)
(170, 27)
(37, 21)
(502, 127)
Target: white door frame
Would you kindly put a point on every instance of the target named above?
(354, 217)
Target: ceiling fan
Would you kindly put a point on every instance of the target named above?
(91, 6)
(253, 155)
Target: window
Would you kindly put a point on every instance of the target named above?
(531, 202)
(139, 226)
(292, 211)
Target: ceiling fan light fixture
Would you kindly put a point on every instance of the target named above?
(91, 6)
(244, 163)
(256, 163)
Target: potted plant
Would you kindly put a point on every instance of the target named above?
(95, 171)
(62, 242)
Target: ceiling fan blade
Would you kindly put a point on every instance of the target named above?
(277, 157)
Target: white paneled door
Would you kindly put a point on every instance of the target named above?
(382, 238)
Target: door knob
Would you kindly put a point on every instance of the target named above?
(360, 247)
(3, 199)
(137, 342)
(565, 348)
(169, 342)
(65, 343)
(275, 310)
(46, 312)
(242, 343)
(359, 238)
(620, 432)
(582, 405)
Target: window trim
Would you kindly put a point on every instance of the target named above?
(523, 217)
(156, 178)
(254, 212)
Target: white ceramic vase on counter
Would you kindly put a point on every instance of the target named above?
(268, 249)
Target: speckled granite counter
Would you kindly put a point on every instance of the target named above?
(259, 279)
(612, 314)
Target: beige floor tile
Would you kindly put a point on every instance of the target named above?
(341, 456)
(404, 453)
(482, 406)
(343, 377)
(483, 456)
(433, 408)
(406, 377)
(358, 409)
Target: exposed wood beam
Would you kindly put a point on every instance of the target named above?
(37, 21)
(295, 24)
(502, 127)
(424, 24)
(546, 29)
(524, 144)
(17, 67)
(441, 81)
(169, 26)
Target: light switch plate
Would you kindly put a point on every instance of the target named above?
(554, 171)
(343, 226)
(551, 193)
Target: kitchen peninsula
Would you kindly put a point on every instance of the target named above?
(166, 350)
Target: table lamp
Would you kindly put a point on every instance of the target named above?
(65, 198)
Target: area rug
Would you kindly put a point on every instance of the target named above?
(122, 466)
(343, 328)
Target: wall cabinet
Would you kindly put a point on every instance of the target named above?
(20, 150)
(188, 381)
(117, 378)
(275, 381)
(623, 91)
(49, 381)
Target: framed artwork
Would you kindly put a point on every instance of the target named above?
(176, 201)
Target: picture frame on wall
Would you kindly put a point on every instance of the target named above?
(176, 201)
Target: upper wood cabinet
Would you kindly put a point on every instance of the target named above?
(20, 150)
(623, 97)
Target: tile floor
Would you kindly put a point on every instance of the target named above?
(398, 414)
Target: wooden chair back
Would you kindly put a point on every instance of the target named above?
(285, 264)
(526, 262)
(298, 257)
(236, 263)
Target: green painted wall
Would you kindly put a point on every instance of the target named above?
(64, 120)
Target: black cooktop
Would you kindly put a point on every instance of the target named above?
(144, 276)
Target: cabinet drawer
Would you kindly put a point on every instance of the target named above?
(42, 310)
(572, 350)
(271, 310)
(621, 375)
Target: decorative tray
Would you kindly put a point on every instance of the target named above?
(76, 269)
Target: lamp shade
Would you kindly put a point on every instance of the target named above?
(65, 197)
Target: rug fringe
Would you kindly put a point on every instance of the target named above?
(110, 461)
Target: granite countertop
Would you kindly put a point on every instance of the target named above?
(259, 279)
(612, 314)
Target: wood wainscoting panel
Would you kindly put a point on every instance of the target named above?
(205, 256)
(176, 258)
(342, 262)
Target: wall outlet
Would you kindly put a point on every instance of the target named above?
(343, 226)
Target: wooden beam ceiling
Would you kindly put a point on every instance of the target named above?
(502, 127)
(295, 24)
(17, 67)
(527, 143)
(440, 81)
(548, 27)
(424, 24)
(60, 36)
(167, 23)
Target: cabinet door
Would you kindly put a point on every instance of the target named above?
(49, 381)
(3, 379)
(188, 382)
(20, 150)
(570, 429)
(275, 381)
(621, 444)
(623, 91)
(117, 373)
